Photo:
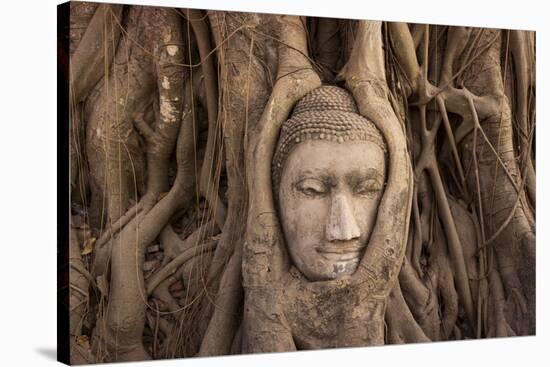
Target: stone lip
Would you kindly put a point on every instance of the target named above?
(341, 250)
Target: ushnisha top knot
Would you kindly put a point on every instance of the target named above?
(326, 113)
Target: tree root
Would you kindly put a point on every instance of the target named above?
(87, 62)
(209, 170)
(402, 327)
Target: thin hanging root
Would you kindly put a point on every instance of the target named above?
(482, 287)
(427, 160)
(477, 126)
(454, 98)
(510, 216)
(457, 38)
(207, 181)
(506, 267)
(326, 46)
(162, 293)
(450, 137)
(125, 315)
(417, 33)
(80, 282)
(242, 89)
(417, 241)
(453, 241)
(524, 81)
(403, 46)
(88, 61)
(160, 139)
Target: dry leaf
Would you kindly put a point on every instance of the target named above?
(83, 341)
(88, 246)
(102, 285)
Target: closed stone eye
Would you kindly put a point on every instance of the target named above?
(312, 187)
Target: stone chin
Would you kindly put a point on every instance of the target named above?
(346, 267)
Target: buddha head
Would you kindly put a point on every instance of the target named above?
(329, 173)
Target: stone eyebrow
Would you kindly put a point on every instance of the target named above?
(316, 173)
(357, 176)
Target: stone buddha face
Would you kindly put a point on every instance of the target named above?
(329, 179)
(328, 200)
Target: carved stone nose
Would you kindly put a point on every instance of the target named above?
(341, 224)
